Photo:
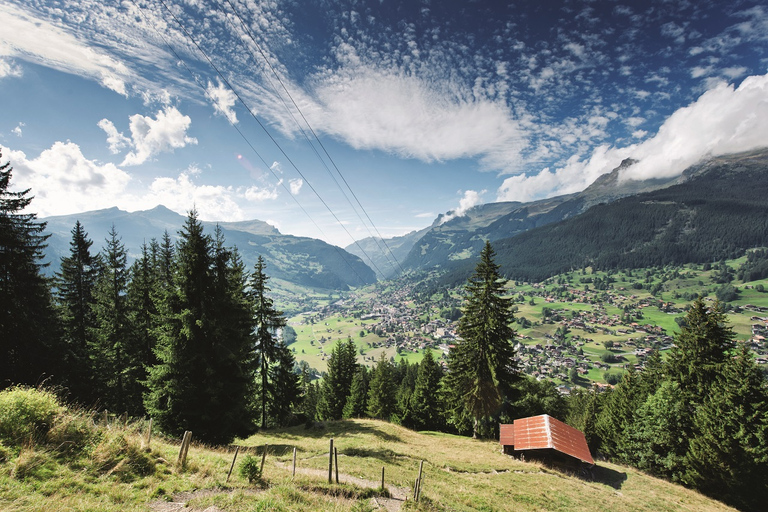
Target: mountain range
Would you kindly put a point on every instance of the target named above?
(298, 260)
(713, 210)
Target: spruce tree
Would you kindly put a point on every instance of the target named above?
(357, 403)
(426, 408)
(204, 377)
(482, 366)
(117, 367)
(728, 456)
(268, 320)
(381, 390)
(337, 384)
(143, 313)
(75, 285)
(27, 325)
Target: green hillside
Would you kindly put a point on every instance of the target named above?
(78, 461)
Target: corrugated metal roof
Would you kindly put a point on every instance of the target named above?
(544, 431)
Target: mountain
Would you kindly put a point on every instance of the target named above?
(715, 210)
(451, 241)
(299, 260)
(385, 256)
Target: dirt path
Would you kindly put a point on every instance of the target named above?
(398, 495)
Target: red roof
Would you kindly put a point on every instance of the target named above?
(541, 432)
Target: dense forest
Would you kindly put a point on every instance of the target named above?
(188, 336)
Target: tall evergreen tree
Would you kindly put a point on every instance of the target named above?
(75, 285)
(115, 359)
(482, 367)
(728, 457)
(204, 377)
(381, 390)
(143, 313)
(426, 407)
(27, 323)
(336, 386)
(357, 403)
(268, 321)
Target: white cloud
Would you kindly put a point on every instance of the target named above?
(116, 140)
(64, 181)
(9, 69)
(295, 185)
(400, 113)
(699, 71)
(213, 202)
(723, 120)
(471, 198)
(223, 100)
(25, 36)
(17, 131)
(260, 194)
(168, 131)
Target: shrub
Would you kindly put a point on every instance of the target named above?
(250, 468)
(26, 414)
(72, 433)
(5, 453)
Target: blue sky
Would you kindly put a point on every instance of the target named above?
(345, 119)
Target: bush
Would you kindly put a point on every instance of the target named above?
(250, 468)
(5, 453)
(26, 414)
(72, 433)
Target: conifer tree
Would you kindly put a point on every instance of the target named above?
(482, 367)
(336, 386)
(278, 385)
(204, 377)
(357, 403)
(426, 408)
(26, 316)
(142, 310)
(117, 366)
(728, 457)
(381, 390)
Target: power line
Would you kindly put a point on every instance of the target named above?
(253, 115)
(249, 33)
(242, 135)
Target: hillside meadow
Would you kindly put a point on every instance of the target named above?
(80, 461)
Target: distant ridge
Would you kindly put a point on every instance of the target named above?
(299, 260)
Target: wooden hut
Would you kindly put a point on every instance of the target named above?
(544, 437)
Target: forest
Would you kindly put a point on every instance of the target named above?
(189, 337)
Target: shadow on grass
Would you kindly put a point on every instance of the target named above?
(608, 476)
(334, 429)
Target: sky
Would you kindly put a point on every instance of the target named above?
(344, 119)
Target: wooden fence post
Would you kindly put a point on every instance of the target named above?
(382, 478)
(330, 463)
(417, 493)
(149, 436)
(336, 462)
(263, 458)
(294, 461)
(231, 467)
(184, 448)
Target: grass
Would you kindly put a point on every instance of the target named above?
(109, 470)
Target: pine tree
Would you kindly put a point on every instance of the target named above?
(381, 391)
(357, 403)
(728, 457)
(286, 387)
(26, 315)
(482, 367)
(143, 313)
(336, 386)
(204, 377)
(426, 408)
(117, 367)
(75, 285)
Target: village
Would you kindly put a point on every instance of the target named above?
(575, 336)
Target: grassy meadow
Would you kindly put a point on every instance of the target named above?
(76, 461)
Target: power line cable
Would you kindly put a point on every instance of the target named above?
(248, 32)
(253, 115)
(242, 135)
